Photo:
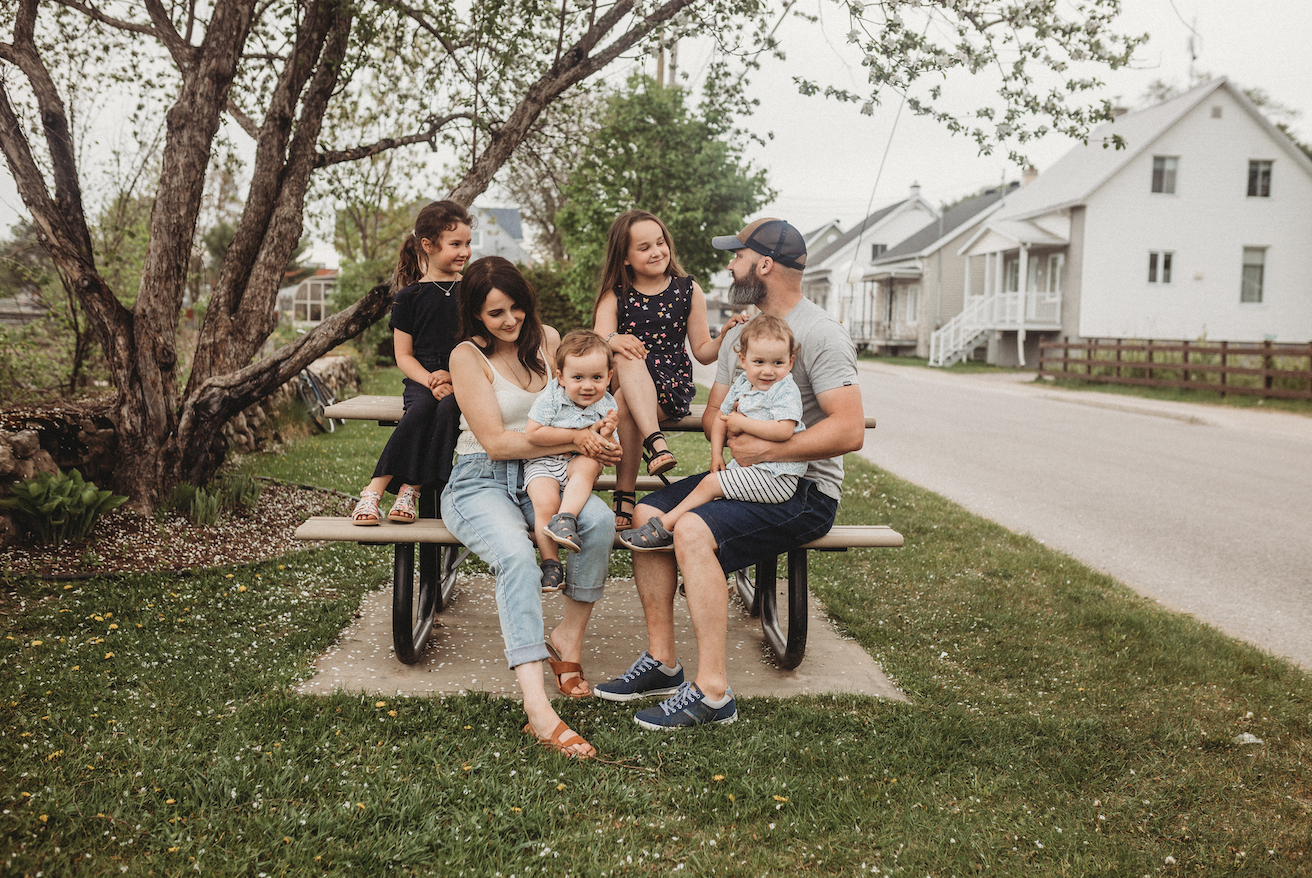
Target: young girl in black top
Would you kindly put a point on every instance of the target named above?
(425, 326)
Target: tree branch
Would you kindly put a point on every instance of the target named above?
(244, 122)
(117, 23)
(429, 136)
(184, 54)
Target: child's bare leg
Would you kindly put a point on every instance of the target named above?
(545, 494)
(707, 489)
(640, 392)
(581, 473)
(631, 436)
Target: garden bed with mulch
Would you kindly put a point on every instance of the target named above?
(126, 542)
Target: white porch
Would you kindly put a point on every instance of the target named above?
(1024, 273)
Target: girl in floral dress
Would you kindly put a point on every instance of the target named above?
(650, 313)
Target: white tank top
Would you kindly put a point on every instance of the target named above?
(513, 401)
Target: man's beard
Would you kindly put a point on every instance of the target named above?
(749, 291)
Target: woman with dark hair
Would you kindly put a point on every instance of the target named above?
(497, 371)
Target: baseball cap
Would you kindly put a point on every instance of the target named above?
(769, 237)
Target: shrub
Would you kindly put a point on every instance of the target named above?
(61, 507)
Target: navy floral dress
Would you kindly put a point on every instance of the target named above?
(661, 322)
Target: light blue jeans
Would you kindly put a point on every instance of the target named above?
(486, 507)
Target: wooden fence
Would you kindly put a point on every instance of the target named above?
(1255, 369)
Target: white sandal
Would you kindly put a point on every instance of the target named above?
(366, 513)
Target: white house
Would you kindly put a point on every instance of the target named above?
(1199, 228)
(498, 232)
(834, 270)
(917, 284)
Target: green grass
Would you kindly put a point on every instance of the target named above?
(1206, 397)
(964, 366)
(1058, 724)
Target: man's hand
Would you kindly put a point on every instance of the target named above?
(748, 449)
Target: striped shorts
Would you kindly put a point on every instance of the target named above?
(755, 485)
(549, 467)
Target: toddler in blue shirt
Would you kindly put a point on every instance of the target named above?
(559, 484)
(764, 401)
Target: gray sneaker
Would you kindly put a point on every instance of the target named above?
(644, 677)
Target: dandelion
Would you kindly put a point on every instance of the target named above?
(113, 627)
(168, 801)
(36, 643)
(391, 713)
(560, 787)
(229, 576)
(241, 588)
(380, 704)
(718, 777)
(109, 655)
(517, 810)
(780, 798)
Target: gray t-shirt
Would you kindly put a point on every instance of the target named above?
(826, 360)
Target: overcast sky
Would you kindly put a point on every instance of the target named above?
(824, 156)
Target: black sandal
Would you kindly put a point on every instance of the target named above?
(651, 456)
(619, 499)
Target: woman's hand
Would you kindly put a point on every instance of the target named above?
(439, 383)
(592, 443)
(629, 346)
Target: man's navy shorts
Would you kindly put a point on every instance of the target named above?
(749, 532)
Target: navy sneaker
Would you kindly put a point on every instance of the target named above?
(688, 707)
(644, 677)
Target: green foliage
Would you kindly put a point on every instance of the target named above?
(60, 508)
(354, 279)
(652, 152)
(554, 304)
(205, 506)
(240, 493)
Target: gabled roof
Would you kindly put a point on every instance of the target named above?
(506, 218)
(930, 238)
(1079, 173)
(814, 235)
(855, 232)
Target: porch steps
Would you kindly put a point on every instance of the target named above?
(956, 339)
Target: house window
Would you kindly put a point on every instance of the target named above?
(1164, 168)
(476, 238)
(1159, 267)
(1254, 268)
(1056, 264)
(311, 297)
(1216, 111)
(877, 250)
(1259, 179)
(913, 303)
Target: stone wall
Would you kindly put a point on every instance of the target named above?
(68, 436)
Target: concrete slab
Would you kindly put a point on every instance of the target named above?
(465, 653)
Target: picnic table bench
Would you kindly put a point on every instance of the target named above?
(416, 601)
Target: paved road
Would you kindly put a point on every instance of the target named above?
(1206, 509)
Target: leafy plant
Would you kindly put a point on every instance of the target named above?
(61, 507)
(240, 493)
(179, 499)
(205, 507)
